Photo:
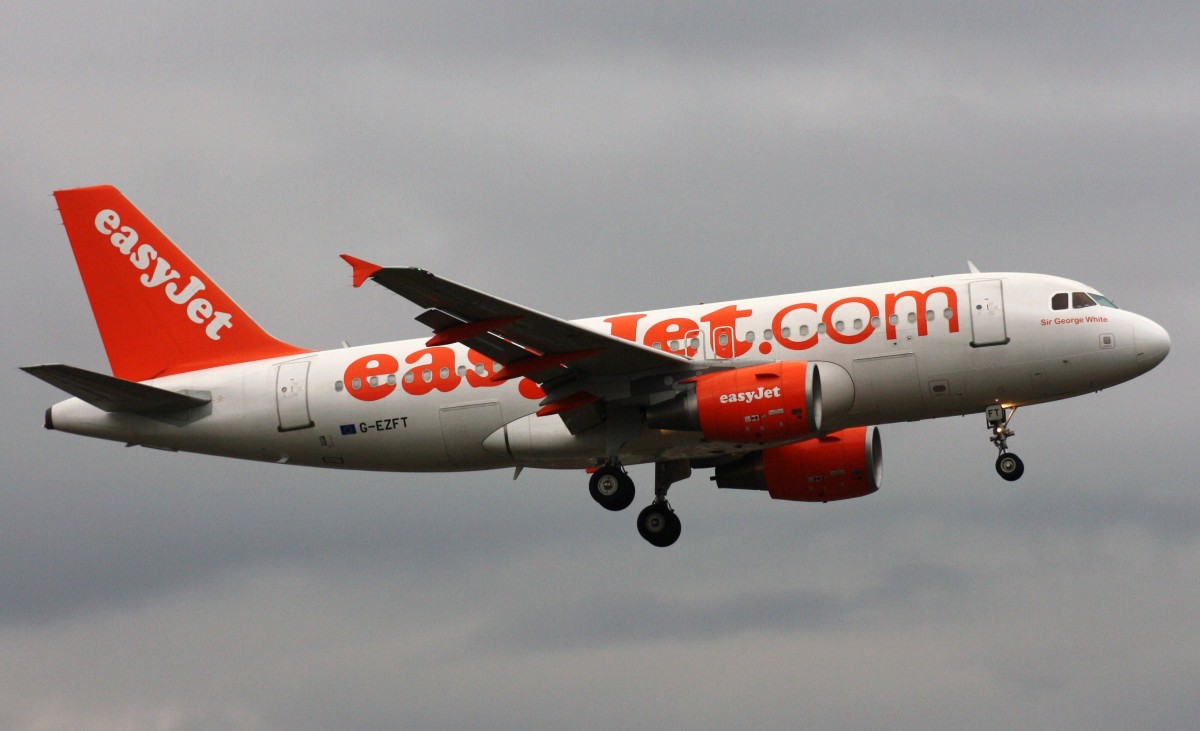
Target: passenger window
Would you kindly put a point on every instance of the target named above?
(786, 332)
(928, 315)
(723, 339)
(766, 334)
(858, 323)
(1059, 301)
(912, 317)
(750, 337)
(338, 386)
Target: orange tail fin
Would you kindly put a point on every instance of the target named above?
(158, 313)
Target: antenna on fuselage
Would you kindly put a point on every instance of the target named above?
(971, 265)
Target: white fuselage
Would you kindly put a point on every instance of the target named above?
(914, 349)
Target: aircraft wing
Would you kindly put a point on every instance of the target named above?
(575, 366)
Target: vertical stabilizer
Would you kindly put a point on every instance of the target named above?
(158, 313)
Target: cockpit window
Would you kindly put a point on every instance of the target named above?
(1080, 300)
(1077, 300)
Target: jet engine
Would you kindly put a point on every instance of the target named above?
(842, 465)
(766, 403)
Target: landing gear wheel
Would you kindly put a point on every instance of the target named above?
(1010, 466)
(612, 488)
(659, 525)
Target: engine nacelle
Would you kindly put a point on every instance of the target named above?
(839, 466)
(766, 403)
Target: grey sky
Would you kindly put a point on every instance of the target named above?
(589, 159)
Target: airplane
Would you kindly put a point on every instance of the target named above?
(781, 394)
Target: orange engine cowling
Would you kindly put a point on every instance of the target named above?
(768, 403)
(839, 466)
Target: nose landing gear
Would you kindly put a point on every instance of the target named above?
(1008, 465)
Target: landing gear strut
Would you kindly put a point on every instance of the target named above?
(612, 487)
(657, 523)
(1008, 465)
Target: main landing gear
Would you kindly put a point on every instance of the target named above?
(1008, 465)
(657, 523)
(612, 487)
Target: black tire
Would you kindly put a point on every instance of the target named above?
(1009, 466)
(659, 525)
(612, 488)
(676, 527)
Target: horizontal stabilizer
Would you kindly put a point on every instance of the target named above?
(114, 394)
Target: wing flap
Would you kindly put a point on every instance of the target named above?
(509, 333)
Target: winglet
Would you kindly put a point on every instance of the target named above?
(363, 270)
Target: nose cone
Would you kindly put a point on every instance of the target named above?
(1152, 343)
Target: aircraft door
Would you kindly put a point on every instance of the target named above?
(291, 396)
(987, 313)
